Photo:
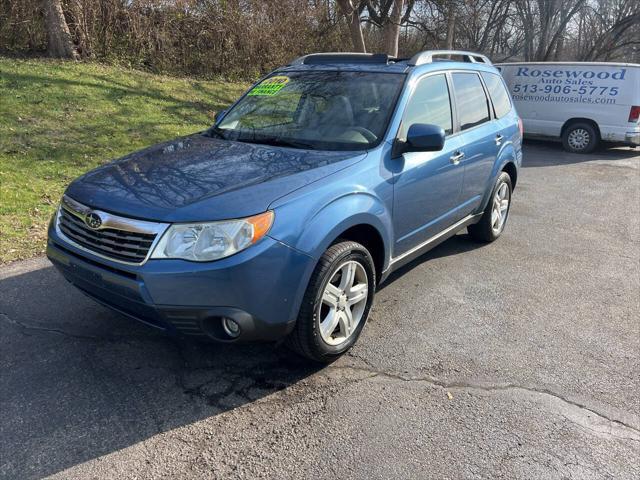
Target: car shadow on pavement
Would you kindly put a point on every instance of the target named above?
(460, 243)
(79, 381)
(551, 154)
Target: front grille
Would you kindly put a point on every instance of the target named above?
(122, 245)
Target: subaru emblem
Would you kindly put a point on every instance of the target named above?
(93, 220)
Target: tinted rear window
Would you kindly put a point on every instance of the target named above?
(473, 107)
(498, 93)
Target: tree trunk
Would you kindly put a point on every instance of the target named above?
(352, 12)
(559, 49)
(392, 29)
(59, 42)
(451, 24)
(356, 32)
(79, 26)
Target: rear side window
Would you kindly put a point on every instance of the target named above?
(498, 94)
(471, 102)
(430, 103)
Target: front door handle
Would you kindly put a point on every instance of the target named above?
(456, 157)
(499, 140)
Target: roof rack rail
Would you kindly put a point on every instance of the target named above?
(340, 57)
(427, 56)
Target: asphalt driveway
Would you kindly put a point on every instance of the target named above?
(515, 360)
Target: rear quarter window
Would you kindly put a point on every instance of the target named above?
(498, 92)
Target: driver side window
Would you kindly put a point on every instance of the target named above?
(430, 103)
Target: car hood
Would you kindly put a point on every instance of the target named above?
(200, 178)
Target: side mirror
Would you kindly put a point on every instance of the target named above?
(219, 115)
(422, 137)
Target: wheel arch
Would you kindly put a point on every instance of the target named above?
(512, 170)
(506, 162)
(369, 237)
(573, 120)
(361, 217)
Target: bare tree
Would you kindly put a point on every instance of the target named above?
(486, 26)
(224, 37)
(451, 24)
(544, 23)
(434, 21)
(391, 28)
(78, 27)
(389, 15)
(352, 9)
(59, 41)
(608, 27)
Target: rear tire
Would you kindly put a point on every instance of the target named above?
(580, 137)
(496, 213)
(336, 303)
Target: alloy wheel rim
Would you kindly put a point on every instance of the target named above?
(579, 139)
(500, 208)
(343, 303)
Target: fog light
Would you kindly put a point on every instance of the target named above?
(230, 327)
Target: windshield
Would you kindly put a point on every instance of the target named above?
(315, 110)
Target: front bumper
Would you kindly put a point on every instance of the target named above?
(260, 288)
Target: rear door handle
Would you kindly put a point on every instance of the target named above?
(499, 140)
(456, 157)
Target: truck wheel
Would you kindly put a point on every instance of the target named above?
(580, 137)
(336, 304)
(495, 215)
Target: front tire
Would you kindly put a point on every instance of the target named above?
(580, 137)
(494, 217)
(336, 303)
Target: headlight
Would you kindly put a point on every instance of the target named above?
(204, 242)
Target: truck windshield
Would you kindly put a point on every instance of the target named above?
(315, 110)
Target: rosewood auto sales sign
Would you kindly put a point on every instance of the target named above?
(568, 84)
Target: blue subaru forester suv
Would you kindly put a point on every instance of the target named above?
(280, 220)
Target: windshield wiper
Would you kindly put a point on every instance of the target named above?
(216, 132)
(279, 142)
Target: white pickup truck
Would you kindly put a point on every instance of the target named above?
(581, 103)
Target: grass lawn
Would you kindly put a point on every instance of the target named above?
(61, 119)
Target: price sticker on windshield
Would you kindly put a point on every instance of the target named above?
(271, 86)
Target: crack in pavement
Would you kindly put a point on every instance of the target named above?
(79, 336)
(632, 431)
(24, 326)
(243, 385)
